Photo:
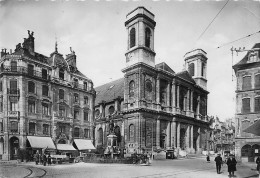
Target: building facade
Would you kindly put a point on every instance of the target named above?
(247, 104)
(224, 135)
(43, 100)
(152, 107)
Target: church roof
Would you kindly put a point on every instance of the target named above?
(164, 67)
(245, 58)
(186, 76)
(109, 91)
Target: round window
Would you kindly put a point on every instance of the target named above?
(111, 109)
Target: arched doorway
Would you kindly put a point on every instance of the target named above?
(14, 147)
(1, 147)
(118, 134)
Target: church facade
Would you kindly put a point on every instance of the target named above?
(152, 107)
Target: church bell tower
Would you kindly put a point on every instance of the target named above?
(140, 26)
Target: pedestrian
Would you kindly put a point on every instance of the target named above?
(258, 165)
(219, 162)
(49, 159)
(44, 159)
(231, 163)
(208, 158)
(37, 157)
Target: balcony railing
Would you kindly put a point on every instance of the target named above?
(12, 91)
(24, 71)
(13, 113)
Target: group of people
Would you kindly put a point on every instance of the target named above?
(42, 159)
(231, 163)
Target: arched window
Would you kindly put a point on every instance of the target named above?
(203, 67)
(111, 110)
(76, 132)
(246, 85)
(31, 87)
(245, 150)
(131, 132)
(61, 74)
(97, 112)
(132, 37)
(85, 100)
(163, 92)
(131, 89)
(147, 37)
(100, 136)
(148, 90)
(191, 69)
(61, 94)
(246, 105)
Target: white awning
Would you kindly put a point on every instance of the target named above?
(65, 147)
(41, 142)
(84, 144)
(254, 129)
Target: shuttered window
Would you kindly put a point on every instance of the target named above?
(257, 104)
(246, 83)
(246, 105)
(257, 81)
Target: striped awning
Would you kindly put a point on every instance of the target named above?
(41, 142)
(65, 147)
(84, 144)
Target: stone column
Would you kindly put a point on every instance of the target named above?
(168, 142)
(173, 96)
(191, 100)
(158, 90)
(168, 94)
(191, 138)
(198, 108)
(188, 100)
(178, 134)
(178, 96)
(188, 139)
(173, 134)
(158, 133)
(198, 141)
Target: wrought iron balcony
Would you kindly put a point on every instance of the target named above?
(12, 91)
(13, 114)
(24, 71)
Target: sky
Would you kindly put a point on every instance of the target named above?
(95, 30)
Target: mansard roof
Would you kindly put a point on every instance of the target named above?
(244, 61)
(164, 67)
(109, 91)
(186, 76)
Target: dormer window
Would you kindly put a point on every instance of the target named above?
(61, 74)
(253, 57)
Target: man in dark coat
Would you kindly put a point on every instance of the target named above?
(231, 162)
(218, 161)
(258, 164)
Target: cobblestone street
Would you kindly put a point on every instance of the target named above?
(184, 168)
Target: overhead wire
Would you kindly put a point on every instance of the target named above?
(212, 21)
(237, 39)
